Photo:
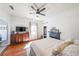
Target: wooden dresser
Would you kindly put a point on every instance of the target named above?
(19, 37)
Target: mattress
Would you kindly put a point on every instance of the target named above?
(44, 47)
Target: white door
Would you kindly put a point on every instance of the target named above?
(33, 31)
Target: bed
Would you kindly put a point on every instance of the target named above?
(44, 47)
(54, 46)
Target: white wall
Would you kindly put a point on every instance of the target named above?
(19, 21)
(65, 19)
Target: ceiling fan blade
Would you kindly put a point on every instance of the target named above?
(35, 5)
(42, 6)
(11, 7)
(33, 8)
(42, 14)
(42, 9)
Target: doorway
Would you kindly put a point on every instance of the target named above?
(45, 31)
(33, 30)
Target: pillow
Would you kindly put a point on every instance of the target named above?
(76, 42)
(71, 50)
(61, 46)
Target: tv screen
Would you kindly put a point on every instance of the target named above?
(20, 29)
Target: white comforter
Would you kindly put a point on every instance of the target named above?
(44, 47)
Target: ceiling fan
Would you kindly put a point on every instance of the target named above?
(38, 10)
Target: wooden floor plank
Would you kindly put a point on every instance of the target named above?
(16, 50)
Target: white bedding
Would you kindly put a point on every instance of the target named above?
(44, 47)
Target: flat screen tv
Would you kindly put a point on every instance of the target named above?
(20, 29)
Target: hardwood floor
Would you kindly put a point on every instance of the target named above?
(16, 50)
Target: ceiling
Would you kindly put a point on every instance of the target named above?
(24, 9)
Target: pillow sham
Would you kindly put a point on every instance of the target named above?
(61, 46)
(71, 50)
(76, 42)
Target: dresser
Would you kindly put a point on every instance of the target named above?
(19, 37)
